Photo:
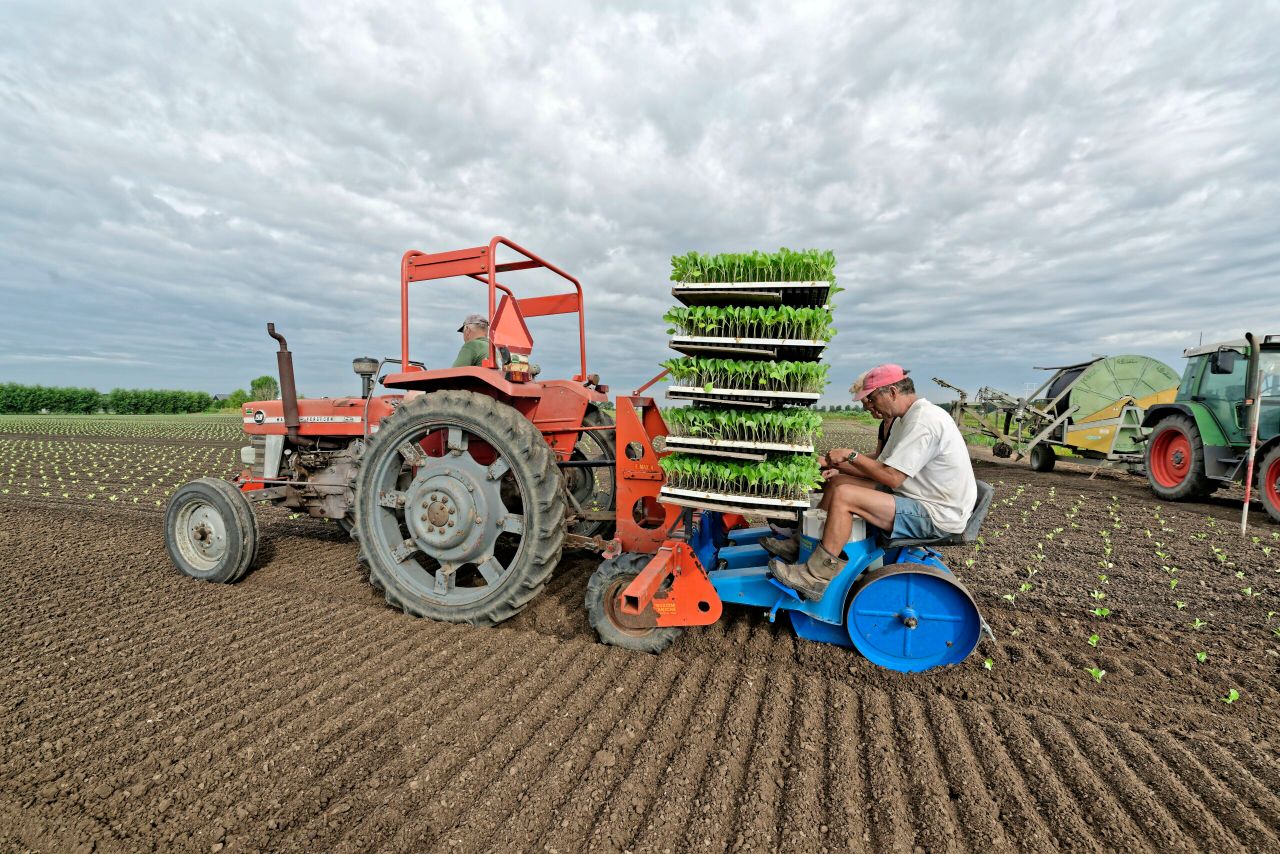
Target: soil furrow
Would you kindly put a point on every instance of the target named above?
(892, 819)
(622, 755)
(845, 788)
(978, 815)
(754, 820)
(1057, 804)
(804, 823)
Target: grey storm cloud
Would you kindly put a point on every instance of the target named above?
(1005, 185)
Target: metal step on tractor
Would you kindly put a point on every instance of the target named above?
(1227, 404)
(463, 486)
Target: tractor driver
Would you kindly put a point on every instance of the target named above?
(475, 342)
(921, 487)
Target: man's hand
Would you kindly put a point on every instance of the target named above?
(833, 455)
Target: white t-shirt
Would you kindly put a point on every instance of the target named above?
(926, 446)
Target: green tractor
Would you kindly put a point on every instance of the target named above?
(1201, 441)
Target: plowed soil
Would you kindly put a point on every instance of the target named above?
(295, 711)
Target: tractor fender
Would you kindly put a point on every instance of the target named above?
(1159, 411)
(1210, 433)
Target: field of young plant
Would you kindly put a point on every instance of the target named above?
(1126, 701)
(128, 461)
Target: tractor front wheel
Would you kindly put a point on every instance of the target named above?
(1269, 482)
(613, 627)
(210, 531)
(460, 508)
(1175, 460)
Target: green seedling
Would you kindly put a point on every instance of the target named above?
(1231, 697)
(1101, 612)
(988, 664)
(1009, 597)
(1202, 657)
(1240, 574)
(1198, 624)
(1024, 587)
(1093, 641)
(1249, 591)
(1180, 605)
(1103, 578)
(1098, 595)
(1173, 583)
(1096, 673)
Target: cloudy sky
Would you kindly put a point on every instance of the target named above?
(1004, 184)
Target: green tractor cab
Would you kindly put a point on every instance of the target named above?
(1200, 441)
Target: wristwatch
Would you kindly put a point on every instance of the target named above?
(853, 455)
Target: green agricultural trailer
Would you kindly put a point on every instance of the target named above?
(1202, 440)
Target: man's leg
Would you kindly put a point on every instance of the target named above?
(831, 486)
(810, 579)
(876, 507)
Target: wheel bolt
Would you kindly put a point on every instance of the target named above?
(450, 523)
(424, 517)
(452, 511)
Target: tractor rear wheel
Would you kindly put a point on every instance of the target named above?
(1043, 457)
(1175, 460)
(594, 488)
(603, 589)
(1269, 482)
(459, 508)
(210, 531)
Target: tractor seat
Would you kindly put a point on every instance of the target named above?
(980, 507)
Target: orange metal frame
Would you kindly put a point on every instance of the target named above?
(480, 263)
(643, 523)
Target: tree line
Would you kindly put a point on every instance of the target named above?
(16, 398)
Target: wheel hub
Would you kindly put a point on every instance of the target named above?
(452, 510)
(201, 535)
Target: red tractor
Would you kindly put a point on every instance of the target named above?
(461, 485)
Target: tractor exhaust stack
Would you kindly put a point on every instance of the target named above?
(288, 388)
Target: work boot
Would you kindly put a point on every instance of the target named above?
(788, 550)
(809, 579)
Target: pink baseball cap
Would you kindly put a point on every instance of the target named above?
(879, 377)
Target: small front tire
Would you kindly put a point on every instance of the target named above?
(210, 531)
(1043, 458)
(603, 589)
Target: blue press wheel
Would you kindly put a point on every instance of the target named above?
(911, 617)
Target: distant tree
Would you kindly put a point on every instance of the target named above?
(237, 399)
(264, 387)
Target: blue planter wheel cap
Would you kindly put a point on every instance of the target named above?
(912, 617)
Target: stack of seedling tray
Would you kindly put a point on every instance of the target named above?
(751, 330)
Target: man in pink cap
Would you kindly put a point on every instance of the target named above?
(920, 485)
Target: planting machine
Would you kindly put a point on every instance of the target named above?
(462, 487)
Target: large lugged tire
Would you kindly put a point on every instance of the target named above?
(210, 531)
(1175, 460)
(1269, 482)
(594, 488)
(1043, 457)
(459, 509)
(603, 589)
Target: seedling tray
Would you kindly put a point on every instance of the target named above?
(739, 397)
(783, 349)
(695, 445)
(752, 504)
(752, 293)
